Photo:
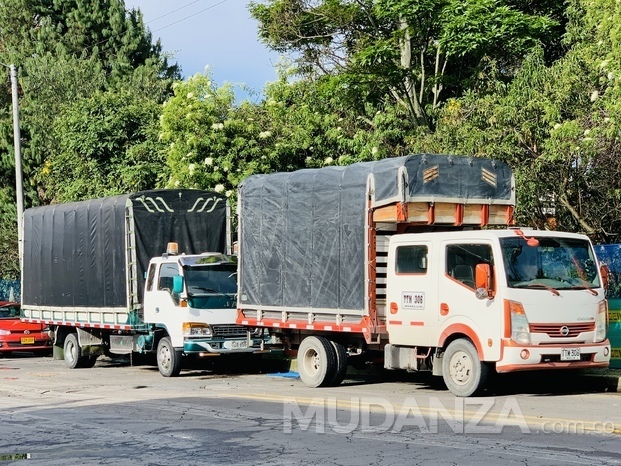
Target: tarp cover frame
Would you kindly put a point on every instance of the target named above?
(75, 254)
(302, 234)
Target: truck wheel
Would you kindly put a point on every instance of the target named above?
(463, 372)
(89, 361)
(316, 362)
(341, 364)
(168, 358)
(73, 352)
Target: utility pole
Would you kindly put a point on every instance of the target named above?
(17, 141)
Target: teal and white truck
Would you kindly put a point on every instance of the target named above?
(107, 276)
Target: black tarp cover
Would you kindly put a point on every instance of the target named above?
(302, 235)
(75, 253)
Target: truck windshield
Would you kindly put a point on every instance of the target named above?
(211, 286)
(559, 263)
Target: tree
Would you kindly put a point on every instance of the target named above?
(108, 142)
(418, 52)
(557, 126)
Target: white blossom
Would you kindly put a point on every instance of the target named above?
(328, 161)
(374, 150)
(217, 126)
(208, 161)
(191, 169)
(265, 134)
(228, 193)
(594, 96)
(219, 188)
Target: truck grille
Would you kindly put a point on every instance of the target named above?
(229, 331)
(563, 330)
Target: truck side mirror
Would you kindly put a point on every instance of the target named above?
(177, 284)
(483, 281)
(605, 271)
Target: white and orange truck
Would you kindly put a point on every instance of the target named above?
(415, 257)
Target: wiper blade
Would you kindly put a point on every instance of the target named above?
(591, 290)
(554, 291)
(206, 289)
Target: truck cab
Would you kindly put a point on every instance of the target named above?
(190, 302)
(504, 300)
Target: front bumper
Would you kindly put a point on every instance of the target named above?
(221, 346)
(16, 345)
(524, 358)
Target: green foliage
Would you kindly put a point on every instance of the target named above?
(66, 52)
(417, 53)
(107, 142)
(9, 265)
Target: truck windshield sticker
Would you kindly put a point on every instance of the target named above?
(413, 300)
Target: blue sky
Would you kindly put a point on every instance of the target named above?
(217, 33)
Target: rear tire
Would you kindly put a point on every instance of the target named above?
(317, 362)
(89, 361)
(168, 358)
(463, 372)
(341, 364)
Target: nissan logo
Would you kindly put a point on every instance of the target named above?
(564, 330)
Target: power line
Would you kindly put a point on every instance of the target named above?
(158, 18)
(174, 11)
(187, 17)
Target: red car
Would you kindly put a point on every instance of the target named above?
(16, 335)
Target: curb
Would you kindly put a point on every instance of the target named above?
(607, 382)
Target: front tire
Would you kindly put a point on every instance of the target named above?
(317, 362)
(464, 374)
(73, 352)
(168, 358)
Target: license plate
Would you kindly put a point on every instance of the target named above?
(572, 354)
(239, 344)
(27, 340)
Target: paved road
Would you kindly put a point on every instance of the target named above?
(121, 415)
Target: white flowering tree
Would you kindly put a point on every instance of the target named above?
(212, 143)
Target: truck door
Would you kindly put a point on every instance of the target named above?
(412, 316)
(159, 300)
(461, 311)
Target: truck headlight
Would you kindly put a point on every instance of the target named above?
(601, 323)
(520, 328)
(196, 329)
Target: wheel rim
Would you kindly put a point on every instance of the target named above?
(312, 362)
(70, 352)
(164, 357)
(460, 368)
